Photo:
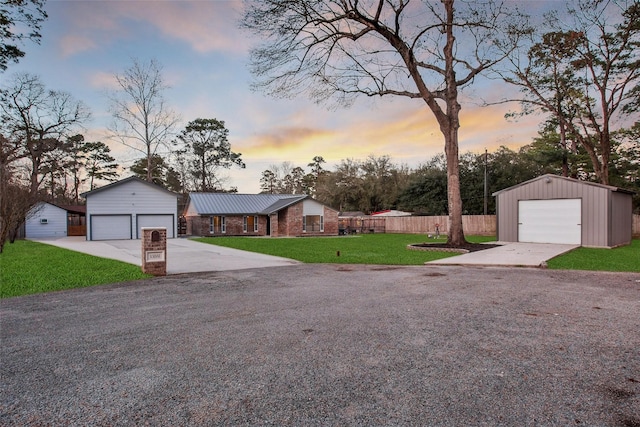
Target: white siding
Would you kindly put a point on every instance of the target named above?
(131, 198)
(56, 222)
(311, 207)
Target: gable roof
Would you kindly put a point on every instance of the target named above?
(573, 180)
(124, 181)
(239, 204)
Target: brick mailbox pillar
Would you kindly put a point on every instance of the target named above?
(154, 251)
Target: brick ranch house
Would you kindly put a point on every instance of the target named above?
(276, 215)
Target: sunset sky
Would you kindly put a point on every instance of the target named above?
(204, 57)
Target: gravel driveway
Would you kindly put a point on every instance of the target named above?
(328, 345)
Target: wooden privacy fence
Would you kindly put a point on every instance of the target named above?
(484, 225)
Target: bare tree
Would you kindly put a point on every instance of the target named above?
(141, 119)
(37, 121)
(339, 49)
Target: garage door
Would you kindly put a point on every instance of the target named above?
(110, 227)
(155, 221)
(550, 221)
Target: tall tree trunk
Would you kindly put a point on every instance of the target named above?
(450, 131)
(454, 199)
(149, 165)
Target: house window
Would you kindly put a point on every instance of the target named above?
(313, 223)
(250, 224)
(217, 224)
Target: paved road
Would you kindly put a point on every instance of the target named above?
(328, 345)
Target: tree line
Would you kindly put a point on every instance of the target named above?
(378, 183)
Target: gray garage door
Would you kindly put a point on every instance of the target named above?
(154, 220)
(110, 227)
(550, 221)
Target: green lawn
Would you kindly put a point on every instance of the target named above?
(361, 249)
(624, 258)
(28, 268)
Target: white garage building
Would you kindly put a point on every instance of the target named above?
(555, 209)
(119, 210)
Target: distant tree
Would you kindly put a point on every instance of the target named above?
(37, 120)
(366, 185)
(98, 163)
(19, 20)
(268, 182)
(311, 181)
(426, 192)
(338, 49)
(346, 189)
(141, 119)
(382, 183)
(163, 174)
(207, 148)
(599, 79)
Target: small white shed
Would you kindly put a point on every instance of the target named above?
(119, 210)
(45, 220)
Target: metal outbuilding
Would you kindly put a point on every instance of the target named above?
(556, 209)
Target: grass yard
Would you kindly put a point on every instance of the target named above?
(360, 249)
(29, 267)
(624, 258)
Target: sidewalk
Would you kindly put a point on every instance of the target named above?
(509, 255)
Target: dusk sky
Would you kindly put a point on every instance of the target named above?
(204, 57)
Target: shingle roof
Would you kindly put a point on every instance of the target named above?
(240, 204)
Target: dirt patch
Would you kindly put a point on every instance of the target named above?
(467, 247)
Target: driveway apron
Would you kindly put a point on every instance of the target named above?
(509, 254)
(183, 255)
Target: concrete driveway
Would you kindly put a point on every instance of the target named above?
(328, 345)
(183, 255)
(509, 254)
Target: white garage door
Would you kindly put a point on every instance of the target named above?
(156, 221)
(110, 227)
(550, 221)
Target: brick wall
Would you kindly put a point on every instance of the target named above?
(290, 221)
(287, 222)
(156, 246)
(200, 225)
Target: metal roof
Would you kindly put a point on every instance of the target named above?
(241, 204)
(551, 176)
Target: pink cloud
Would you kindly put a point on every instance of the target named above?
(205, 25)
(74, 44)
